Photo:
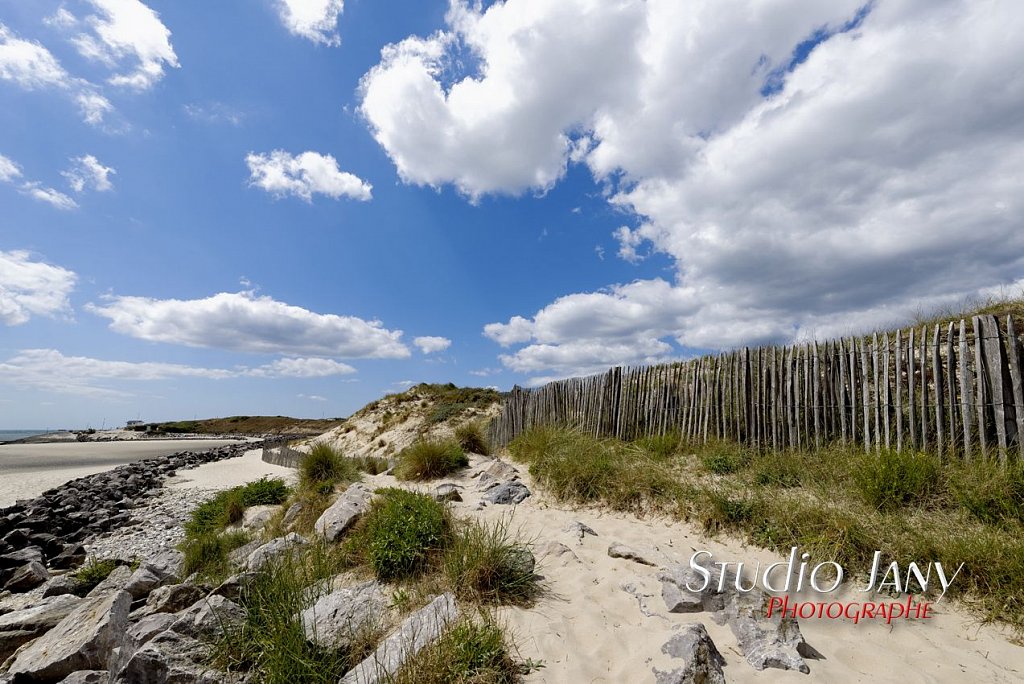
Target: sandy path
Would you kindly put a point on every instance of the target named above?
(229, 473)
(587, 629)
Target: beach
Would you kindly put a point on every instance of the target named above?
(27, 470)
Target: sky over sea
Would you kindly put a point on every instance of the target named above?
(295, 206)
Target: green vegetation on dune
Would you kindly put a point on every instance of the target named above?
(242, 425)
(837, 503)
(428, 459)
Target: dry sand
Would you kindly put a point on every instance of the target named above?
(588, 629)
(230, 472)
(28, 470)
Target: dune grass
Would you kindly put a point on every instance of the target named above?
(473, 651)
(228, 506)
(837, 503)
(471, 438)
(325, 467)
(427, 459)
(91, 574)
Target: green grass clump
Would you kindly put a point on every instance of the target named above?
(992, 492)
(401, 533)
(889, 479)
(660, 447)
(471, 438)
(722, 458)
(777, 470)
(583, 469)
(471, 652)
(485, 562)
(324, 467)
(207, 554)
(91, 574)
(427, 459)
(228, 506)
(371, 465)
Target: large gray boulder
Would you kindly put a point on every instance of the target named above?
(163, 568)
(87, 677)
(703, 663)
(620, 550)
(774, 642)
(21, 626)
(344, 512)
(678, 583)
(27, 577)
(274, 548)
(81, 641)
(168, 658)
(338, 618)
(172, 598)
(138, 634)
(115, 581)
(417, 631)
(512, 492)
(59, 585)
(209, 617)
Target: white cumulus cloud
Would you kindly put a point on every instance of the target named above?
(242, 321)
(304, 175)
(430, 344)
(55, 198)
(8, 170)
(316, 20)
(127, 33)
(301, 368)
(29, 287)
(88, 172)
(808, 167)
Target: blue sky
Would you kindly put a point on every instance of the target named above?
(271, 207)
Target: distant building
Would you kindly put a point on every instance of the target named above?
(133, 423)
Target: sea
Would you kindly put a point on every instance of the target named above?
(12, 435)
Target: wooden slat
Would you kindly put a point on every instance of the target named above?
(980, 396)
(911, 387)
(1017, 380)
(816, 395)
(940, 417)
(842, 391)
(995, 364)
(875, 394)
(966, 391)
(865, 397)
(886, 396)
(924, 389)
(951, 389)
(899, 391)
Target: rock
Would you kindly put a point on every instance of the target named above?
(173, 598)
(336, 619)
(273, 548)
(677, 581)
(21, 626)
(292, 514)
(420, 629)
(209, 617)
(500, 470)
(59, 585)
(15, 559)
(703, 662)
(138, 634)
(513, 492)
(557, 550)
(521, 560)
(240, 555)
(447, 492)
(115, 581)
(27, 577)
(87, 677)
(766, 642)
(620, 550)
(579, 530)
(233, 586)
(256, 518)
(344, 512)
(641, 597)
(164, 568)
(168, 658)
(81, 641)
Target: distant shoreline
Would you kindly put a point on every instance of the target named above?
(66, 436)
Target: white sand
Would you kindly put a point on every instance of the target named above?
(229, 473)
(587, 629)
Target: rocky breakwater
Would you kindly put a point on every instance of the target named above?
(43, 536)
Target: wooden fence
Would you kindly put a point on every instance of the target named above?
(950, 389)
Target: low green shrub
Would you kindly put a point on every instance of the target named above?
(401, 533)
(723, 458)
(660, 447)
(471, 438)
(889, 479)
(228, 506)
(777, 470)
(372, 465)
(428, 459)
(92, 573)
(485, 562)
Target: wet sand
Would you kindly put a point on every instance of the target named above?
(28, 470)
